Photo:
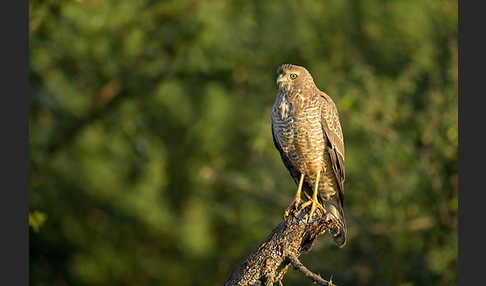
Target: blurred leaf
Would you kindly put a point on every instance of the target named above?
(37, 219)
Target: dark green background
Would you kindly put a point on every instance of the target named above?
(152, 161)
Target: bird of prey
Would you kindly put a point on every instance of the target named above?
(307, 133)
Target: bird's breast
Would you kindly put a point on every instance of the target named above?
(297, 126)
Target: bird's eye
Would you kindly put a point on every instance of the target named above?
(293, 75)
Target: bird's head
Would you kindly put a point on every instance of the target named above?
(292, 77)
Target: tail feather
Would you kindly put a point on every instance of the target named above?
(338, 225)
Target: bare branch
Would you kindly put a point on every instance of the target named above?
(316, 278)
(269, 262)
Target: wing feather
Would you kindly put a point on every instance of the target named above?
(333, 132)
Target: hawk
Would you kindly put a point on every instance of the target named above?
(307, 133)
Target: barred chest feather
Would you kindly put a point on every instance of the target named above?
(290, 103)
(297, 127)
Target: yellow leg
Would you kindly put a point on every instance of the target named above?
(299, 190)
(296, 201)
(314, 203)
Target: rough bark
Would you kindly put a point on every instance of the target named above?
(269, 262)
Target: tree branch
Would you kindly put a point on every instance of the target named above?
(294, 236)
(316, 278)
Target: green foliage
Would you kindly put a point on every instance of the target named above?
(36, 220)
(151, 149)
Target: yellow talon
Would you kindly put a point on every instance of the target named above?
(314, 202)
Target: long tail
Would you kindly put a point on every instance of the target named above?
(338, 225)
(334, 207)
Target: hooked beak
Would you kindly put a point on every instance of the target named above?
(281, 79)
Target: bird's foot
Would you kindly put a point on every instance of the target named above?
(293, 206)
(314, 204)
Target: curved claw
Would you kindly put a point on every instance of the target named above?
(314, 203)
